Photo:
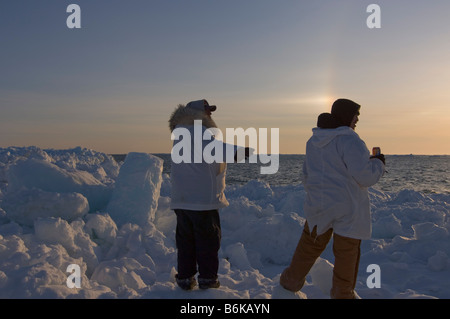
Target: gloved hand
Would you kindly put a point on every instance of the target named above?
(380, 157)
(246, 152)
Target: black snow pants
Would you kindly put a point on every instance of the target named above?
(198, 236)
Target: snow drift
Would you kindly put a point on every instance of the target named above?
(78, 206)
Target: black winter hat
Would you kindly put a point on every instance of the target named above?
(343, 111)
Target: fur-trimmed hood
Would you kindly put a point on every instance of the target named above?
(186, 116)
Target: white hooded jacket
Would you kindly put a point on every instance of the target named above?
(197, 186)
(336, 175)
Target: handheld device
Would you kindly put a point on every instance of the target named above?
(376, 151)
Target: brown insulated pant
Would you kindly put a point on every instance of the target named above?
(310, 247)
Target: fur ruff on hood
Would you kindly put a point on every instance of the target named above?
(186, 116)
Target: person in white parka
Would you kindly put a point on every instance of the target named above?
(337, 172)
(197, 194)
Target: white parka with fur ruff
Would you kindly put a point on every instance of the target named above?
(196, 186)
(336, 175)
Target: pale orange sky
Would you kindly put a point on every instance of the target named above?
(112, 84)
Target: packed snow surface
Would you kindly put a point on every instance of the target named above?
(112, 221)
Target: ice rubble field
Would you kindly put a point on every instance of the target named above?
(78, 206)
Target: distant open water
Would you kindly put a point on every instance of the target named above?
(421, 173)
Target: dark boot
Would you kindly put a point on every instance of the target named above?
(205, 283)
(186, 283)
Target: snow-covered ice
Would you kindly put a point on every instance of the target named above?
(136, 191)
(78, 206)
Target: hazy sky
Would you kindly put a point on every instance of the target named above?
(112, 84)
